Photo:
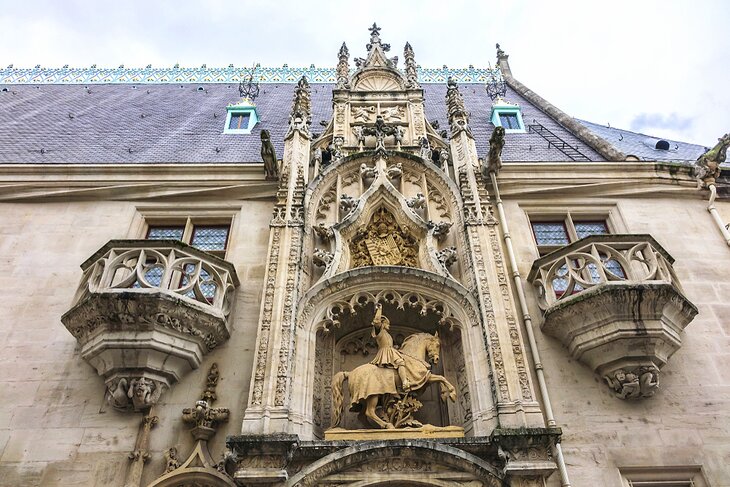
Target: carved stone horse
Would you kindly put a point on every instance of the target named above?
(369, 384)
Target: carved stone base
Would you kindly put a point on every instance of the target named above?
(425, 431)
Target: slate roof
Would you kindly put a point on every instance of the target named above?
(644, 146)
(183, 123)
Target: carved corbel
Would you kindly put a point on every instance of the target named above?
(447, 257)
(441, 229)
(416, 202)
(134, 393)
(322, 258)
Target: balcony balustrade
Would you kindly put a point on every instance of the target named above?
(146, 312)
(616, 303)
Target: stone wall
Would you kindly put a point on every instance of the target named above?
(688, 421)
(55, 427)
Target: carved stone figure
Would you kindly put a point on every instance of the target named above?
(325, 233)
(317, 157)
(357, 130)
(362, 114)
(390, 377)
(641, 382)
(443, 157)
(138, 393)
(141, 392)
(441, 229)
(395, 171)
(322, 258)
(172, 461)
(336, 149)
(398, 134)
(707, 167)
(268, 155)
(494, 160)
(380, 131)
(447, 256)
(418, 201)
(366, 172)
(393, 113)
(347, 203)
(425, 151)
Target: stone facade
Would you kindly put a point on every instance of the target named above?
(598, 363)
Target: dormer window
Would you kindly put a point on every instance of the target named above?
(508, 116)
(241, 118)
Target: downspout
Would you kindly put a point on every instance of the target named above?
(539, 373)
(715, 215)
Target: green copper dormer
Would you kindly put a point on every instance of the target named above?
(507, 116)
(241, 118)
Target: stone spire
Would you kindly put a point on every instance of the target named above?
(503, 61)
(301, 113)
(411, 73)
(458, 118)
(343, 68)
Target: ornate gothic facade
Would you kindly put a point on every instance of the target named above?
(418, 281)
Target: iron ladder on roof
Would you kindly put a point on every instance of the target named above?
(553, 140)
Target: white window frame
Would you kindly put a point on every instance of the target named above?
(667, 476)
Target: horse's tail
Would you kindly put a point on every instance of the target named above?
(337, 397)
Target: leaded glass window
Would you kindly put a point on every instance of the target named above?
(165, 232)
(550, 233)
(210, 238)
(586, 229)
(239, 121)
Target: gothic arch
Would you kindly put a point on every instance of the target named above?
(442, 301)
(401, 461)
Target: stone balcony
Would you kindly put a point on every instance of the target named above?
(616, 303)
(146, 312)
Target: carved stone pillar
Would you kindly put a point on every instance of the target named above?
(511, 379)
(267, 410)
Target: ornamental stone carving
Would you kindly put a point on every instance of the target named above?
(383, 242)
(616, 303)
(146, 313)
(707, 167)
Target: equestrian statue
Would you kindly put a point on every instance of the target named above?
(386, 389)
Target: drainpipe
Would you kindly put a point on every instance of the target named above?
(715, 215)
(539, 373)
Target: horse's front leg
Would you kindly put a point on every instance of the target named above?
(448, 391)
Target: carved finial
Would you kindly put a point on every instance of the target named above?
(458, 118)
(411, 73)
(375, 39)
(503, 62)
(301, 113)
(343, 67)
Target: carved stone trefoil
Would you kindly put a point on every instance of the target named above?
(383, 242)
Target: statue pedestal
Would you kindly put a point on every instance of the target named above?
(425, 431)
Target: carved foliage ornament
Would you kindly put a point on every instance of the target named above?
(383, 242)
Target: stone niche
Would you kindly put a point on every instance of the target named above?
(349, 344)
(146, 312)
(616, 303)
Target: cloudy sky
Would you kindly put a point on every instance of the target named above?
(656, 67)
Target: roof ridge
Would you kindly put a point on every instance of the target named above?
(639, 133)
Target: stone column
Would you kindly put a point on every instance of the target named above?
(268, 410)
(512, 382)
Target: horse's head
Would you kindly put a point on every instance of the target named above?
(433, 348)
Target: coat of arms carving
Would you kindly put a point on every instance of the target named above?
(383, 242)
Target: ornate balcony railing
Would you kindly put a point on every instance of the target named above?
(617, 304)
(146, 311)
(597, 260)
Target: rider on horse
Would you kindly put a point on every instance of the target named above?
(387, 355)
